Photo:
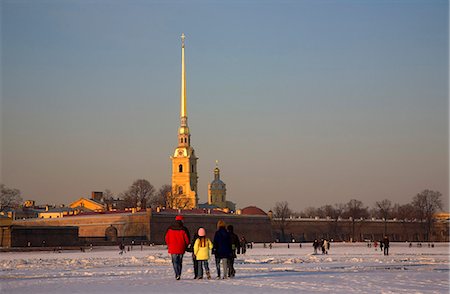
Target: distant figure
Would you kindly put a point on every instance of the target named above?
(325, 247)
(300, 245)
(381, 245)
(386, 245)
(410, 245)
(243, 245)
(177, 240)
(270, 245)
(202, 248)
(121, 248)
(235, 245)
(315, 246)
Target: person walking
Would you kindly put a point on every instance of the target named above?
(235, 247)
(222, 248)
(194, 258)
(202, 247)
(177, 241)
(386, 245)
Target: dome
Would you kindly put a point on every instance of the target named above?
(217, 184)
(252, 210)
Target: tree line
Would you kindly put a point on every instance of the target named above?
(422, 208)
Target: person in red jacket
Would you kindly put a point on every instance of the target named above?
(177, 240)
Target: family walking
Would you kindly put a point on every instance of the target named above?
(224, 246)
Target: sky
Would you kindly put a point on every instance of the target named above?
(309, 102)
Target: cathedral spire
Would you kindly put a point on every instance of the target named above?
(183, 113)
(183, 132)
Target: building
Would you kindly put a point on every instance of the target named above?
(184, 161)
(84, 204)
(217, 193)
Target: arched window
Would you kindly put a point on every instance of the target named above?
(181, 140)
(180, 190)
(180, 168)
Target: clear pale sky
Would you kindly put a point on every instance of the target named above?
(309, 102)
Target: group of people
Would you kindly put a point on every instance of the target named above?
(224, 247)
(323, 244)
(384, 245)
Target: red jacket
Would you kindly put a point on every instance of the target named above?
(176, 239)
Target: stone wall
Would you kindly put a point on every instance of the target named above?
(254, 228)
(44, 236)
(345, 230)
(92, 228)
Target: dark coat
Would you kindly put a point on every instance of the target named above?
(222, 244)
(235, 243)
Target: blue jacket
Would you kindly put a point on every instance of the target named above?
(222, 244)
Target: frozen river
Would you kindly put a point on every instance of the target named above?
(348, 268)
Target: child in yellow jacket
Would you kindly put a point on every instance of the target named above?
(202, 248)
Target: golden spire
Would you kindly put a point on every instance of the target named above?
(183, 112)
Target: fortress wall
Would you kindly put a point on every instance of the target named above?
(254, 228)
(309, 229)
(94, 226)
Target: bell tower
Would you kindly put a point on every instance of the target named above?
(184, 161)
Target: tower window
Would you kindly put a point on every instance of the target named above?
(180, 190)
(180, 168)
(181, 140)
(185, 140)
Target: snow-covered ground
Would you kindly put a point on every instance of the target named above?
(348, 268)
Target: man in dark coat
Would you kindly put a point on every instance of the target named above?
(222, 248)
(177, 241)
(235, 246)
(386, 245)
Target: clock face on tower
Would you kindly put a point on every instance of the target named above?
(180, 152)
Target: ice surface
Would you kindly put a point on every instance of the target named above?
(348, 268)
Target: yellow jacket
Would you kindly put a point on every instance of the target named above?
(201, 251)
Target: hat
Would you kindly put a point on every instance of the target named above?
(221, 224)
(201, 232)
(179, 217)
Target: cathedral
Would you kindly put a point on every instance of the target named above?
(184, 162)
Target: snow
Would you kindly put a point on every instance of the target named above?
(348, 268)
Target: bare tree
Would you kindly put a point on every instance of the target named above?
(384, 209)
(281, 213)
(9, 198)
(334, 212)
(404, 212)
(427, 204)
(108, 199)
(309, 212)
(176, 202)
(139, 194)
(160, 198)
(356, 210)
